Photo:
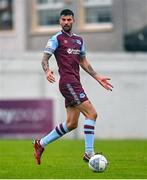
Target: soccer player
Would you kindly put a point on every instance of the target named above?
(69, 51)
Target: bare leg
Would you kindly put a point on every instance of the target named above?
(88, 110)
(72, 117)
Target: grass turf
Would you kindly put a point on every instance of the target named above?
(63, 160)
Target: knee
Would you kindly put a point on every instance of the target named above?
(72, 125)
(93, 115)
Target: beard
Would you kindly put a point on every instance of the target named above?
(67, 28)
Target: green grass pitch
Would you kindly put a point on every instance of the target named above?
(63, 160)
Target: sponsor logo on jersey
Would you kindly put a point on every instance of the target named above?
(73, 51)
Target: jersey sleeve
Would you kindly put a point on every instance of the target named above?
(51, 46)
(83, 50)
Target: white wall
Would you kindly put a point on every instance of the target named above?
(122, 113)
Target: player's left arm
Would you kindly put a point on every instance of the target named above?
(101, 79)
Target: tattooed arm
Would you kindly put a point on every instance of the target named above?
(88, 68)
(45, 66)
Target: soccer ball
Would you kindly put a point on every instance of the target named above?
(98, 163)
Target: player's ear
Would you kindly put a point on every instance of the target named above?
(73, 19)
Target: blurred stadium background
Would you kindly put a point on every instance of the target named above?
(115, 35)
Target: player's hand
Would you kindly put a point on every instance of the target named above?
(50, 77)
(104, 82)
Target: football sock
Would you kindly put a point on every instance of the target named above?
(89, 126)
(56, 133)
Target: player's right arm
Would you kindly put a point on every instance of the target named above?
(45, 65)
(51, 46)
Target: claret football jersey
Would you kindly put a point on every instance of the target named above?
(67, 49)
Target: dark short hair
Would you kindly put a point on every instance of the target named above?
(66, 12)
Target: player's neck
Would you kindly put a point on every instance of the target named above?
(70, 33)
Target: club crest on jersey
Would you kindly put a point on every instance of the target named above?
(82, 95)
(78, 42)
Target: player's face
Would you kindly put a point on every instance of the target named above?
(66, 22)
